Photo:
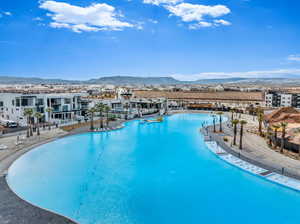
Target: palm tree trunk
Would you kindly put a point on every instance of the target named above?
(241, 137)
(214, 122)
(101, 120)
(49, 125)
(107, 121)
(30, 127)
(282, 141)
(92, 123)
(38, 129)
(234, 134)
(260, 127)
(275, 136)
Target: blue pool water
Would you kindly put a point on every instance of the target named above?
(160, 173)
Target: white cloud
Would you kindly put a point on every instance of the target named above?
(221, 22)
(194, 12)
(160, 2)
(295, 58)
(95, 17)
(7, 13)
(37, 19)
(199, 14)
(152, 21)
(250, 74)
(196, 26)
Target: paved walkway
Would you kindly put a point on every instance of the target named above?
(14, 210)
(256, 150)
(14, 150)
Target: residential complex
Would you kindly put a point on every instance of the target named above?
(282, 99)
(64, 106)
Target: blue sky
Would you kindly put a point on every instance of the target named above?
(186, 39)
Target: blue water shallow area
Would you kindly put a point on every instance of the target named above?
(159, 173)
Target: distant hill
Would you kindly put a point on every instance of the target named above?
(29, 80)
(123, 80)
(134, 80)
(116, 80)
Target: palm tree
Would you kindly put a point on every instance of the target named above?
(38, 116)
(92, 112)
(106, 110)
(214, 122)
(28, 112)
(260, 118)
(275, 127)
(49, 110)
(242, 122)
(232, 115)
(220, 120)
(126, 106)
(235, 123)
(283, 126)
(100, 109)
(269, 135)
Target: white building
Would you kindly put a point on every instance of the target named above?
(278, 99)
(286, 100)
(65, 106)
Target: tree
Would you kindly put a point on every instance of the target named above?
(260, 118)
(126, 106)
(106, 110)
(235, 123)
(100, 109)
(38, 116)
(275, 127)
(232, 116)
(283, 125)
(49, 110)
(28, 112)
(242, 122)
(214, 122)
(92, 112)
(269, 135)
(220, 120)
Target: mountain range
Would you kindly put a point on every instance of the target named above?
(123, 80)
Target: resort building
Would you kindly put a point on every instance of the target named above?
(124, 103)
(206, 100)
(64, 106)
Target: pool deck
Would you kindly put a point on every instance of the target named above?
(255, 157)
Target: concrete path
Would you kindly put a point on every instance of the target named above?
(256, 149)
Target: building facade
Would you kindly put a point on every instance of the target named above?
(64, 106)
(281, 99)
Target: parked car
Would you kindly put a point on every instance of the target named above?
(9, 124)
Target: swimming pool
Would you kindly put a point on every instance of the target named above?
(159, 173)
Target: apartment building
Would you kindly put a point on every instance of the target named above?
(65, 106)
(282, 99)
